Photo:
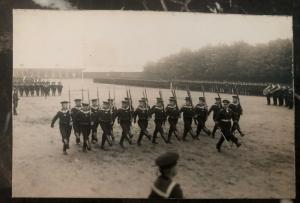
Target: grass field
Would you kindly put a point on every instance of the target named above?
(263, 167)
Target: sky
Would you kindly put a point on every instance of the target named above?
(127, 40)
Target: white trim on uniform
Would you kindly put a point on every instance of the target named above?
(167, 193)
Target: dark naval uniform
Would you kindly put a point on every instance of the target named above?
(160, 119)
(201, 114)
(76, 125)
(173, 114)
(15, 99)
(164, 187)
(124, 118)
(224, 119)
(143, 115)
(237, 111)
(215, 108)
(188, 115)
(105, 118)
(83, 117)
(59, 88)
(94, 117)
(65, 126)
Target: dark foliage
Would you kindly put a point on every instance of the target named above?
(271, 62)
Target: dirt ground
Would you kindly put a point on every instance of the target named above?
(263, 167)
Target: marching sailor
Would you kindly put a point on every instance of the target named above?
(65, 124)
(142, 112)
(201, 113)
(223, 120)
(76, 126)
(173, 114)
(94, 117)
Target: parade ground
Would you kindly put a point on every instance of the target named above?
(263, 167)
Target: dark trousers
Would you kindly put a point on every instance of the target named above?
(225, 129)
(268, 99)
(26, 92)
(280, 100)
(173, 122)
(106, 128)
(158, 129)
(37, 92)
(21, 93)
(143, 124)
(15, 105)
(86, 130)
(59, 92)
(187, 126)
(94, 130)
(236, 125)
(275, 100)
(65, 131)
(125, 125)
(32, 92)
(201, 126)
(215, 128)
(53, 92)
(77, 131)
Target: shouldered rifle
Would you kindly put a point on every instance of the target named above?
(98, 98)
(109, 98)
(146, 99)
(161, 97)
(237, 94)
(219, 98)
(130, 104)
(173, 91)
(189, 95)
(70, 107)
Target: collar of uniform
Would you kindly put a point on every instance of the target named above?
(77, 107)
(94, 107)
(186, 106)
(159, 107)
(64, 111)
(170, 106)
(167, 193)
(126, 109)
(142, 108)
(85, 111)
(200, 106)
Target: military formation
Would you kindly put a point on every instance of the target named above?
(85, 117)
(29, 86)
(279, 95)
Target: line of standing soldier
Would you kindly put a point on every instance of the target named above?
(85, 119)
(38, 88)
(281, 95)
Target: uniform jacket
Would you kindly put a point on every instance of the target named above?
(105, 115)
(216, 109)
(188, 111)
(64, 117)
(164, 188)
(159, 112)
(94, 113)
(83, 117)
(142, 113)
(172, 112)
(124, 114)
(74, 112)
(201, 112)
(236, 108)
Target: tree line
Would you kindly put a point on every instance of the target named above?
(240, 61)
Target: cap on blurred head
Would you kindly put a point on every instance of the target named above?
(167, 160)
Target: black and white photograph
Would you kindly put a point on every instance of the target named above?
(148, 104)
